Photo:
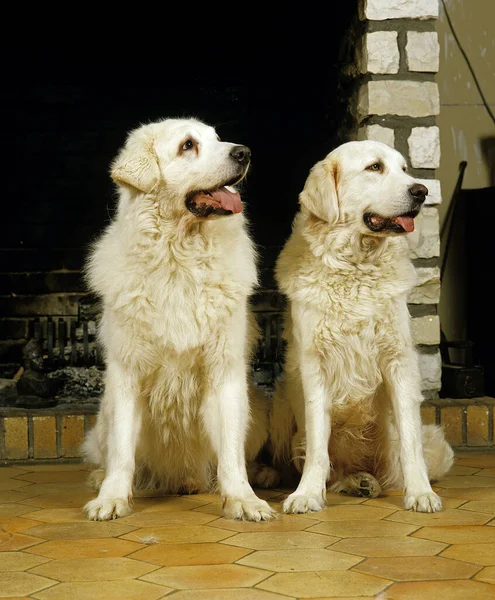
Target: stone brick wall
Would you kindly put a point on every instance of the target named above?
(396, 101)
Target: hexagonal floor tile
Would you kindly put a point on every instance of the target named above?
(13, 510)
(435, 590)
(283, 523)
(177, 535)
(22, 584)
(75, 531)
(460, 470)
(473, 493)
(94, 569)
(65, 500)
(445, 517)
(466, 481)
(54, 476)
(42, 489)
(85, 548)
(280, 540)
(414, 568)
(363, 528)
(388, 546)
(458, 534)
(58, 515)
(17, 524)
(211, 509)
(487, 575)
(129, 589)
(207, 577)
(482, 506)
(19, 561)
(7, 472)
(173, 518)
(477, 460)
(15, 496)
(169, 555)
(479, 554)
(299, 559)
(165, 503)
(324, 584)
(7, 485)
(217, 594)
(398, 502)
(360, 512)
(16, 541)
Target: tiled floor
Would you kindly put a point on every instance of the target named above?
(182, 548)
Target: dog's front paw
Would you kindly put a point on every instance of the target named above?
(248, 509)
(426, 502)
(303, 503)
(103, 509)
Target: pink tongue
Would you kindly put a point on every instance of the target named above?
(407, 223)
(228, 200)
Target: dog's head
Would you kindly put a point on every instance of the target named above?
(184, 161)
(364, 185)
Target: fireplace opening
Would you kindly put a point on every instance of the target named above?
(286, 99)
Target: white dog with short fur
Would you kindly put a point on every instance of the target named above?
(175, 269)
(349, 406)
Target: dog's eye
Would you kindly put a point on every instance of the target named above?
(374, 167)
(404, 168)
(187, 145)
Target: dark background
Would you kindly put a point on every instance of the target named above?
(76, 84)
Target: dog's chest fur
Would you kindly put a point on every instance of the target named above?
(353, 310)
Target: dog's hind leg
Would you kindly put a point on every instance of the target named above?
(439, 456)
(357, 484)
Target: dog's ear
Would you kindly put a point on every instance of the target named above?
(136, 165)
(319, 195)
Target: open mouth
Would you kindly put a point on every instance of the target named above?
(401, 224)
(217, 201)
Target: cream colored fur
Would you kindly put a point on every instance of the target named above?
(347, 412)
(176, 328)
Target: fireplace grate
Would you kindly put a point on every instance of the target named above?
(73, 342)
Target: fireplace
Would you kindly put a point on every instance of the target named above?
(368, 74)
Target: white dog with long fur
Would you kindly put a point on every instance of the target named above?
(350, 402)
(175, 269)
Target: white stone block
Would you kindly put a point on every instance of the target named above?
(378, 134)
(430, 367)
(426, 330)
(424, 147)
(422, 51)
(434, 191)
(403, 98)
(427, 290)
(380, 10)
(424, 241)
(380, 53)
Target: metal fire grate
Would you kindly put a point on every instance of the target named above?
(67, 342)
(72, 342)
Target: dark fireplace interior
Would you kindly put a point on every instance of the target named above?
(280, 91)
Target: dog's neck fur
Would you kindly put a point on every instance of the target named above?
(341, 248)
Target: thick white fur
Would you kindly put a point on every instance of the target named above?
(176, 328)
(349, 405)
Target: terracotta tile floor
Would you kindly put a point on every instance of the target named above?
(182, 548)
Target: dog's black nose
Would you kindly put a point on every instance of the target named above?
(241, 154)
(418, 192)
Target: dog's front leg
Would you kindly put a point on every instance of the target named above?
(120, 409)
(403, 380)
(310, 494)
(225, 415)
